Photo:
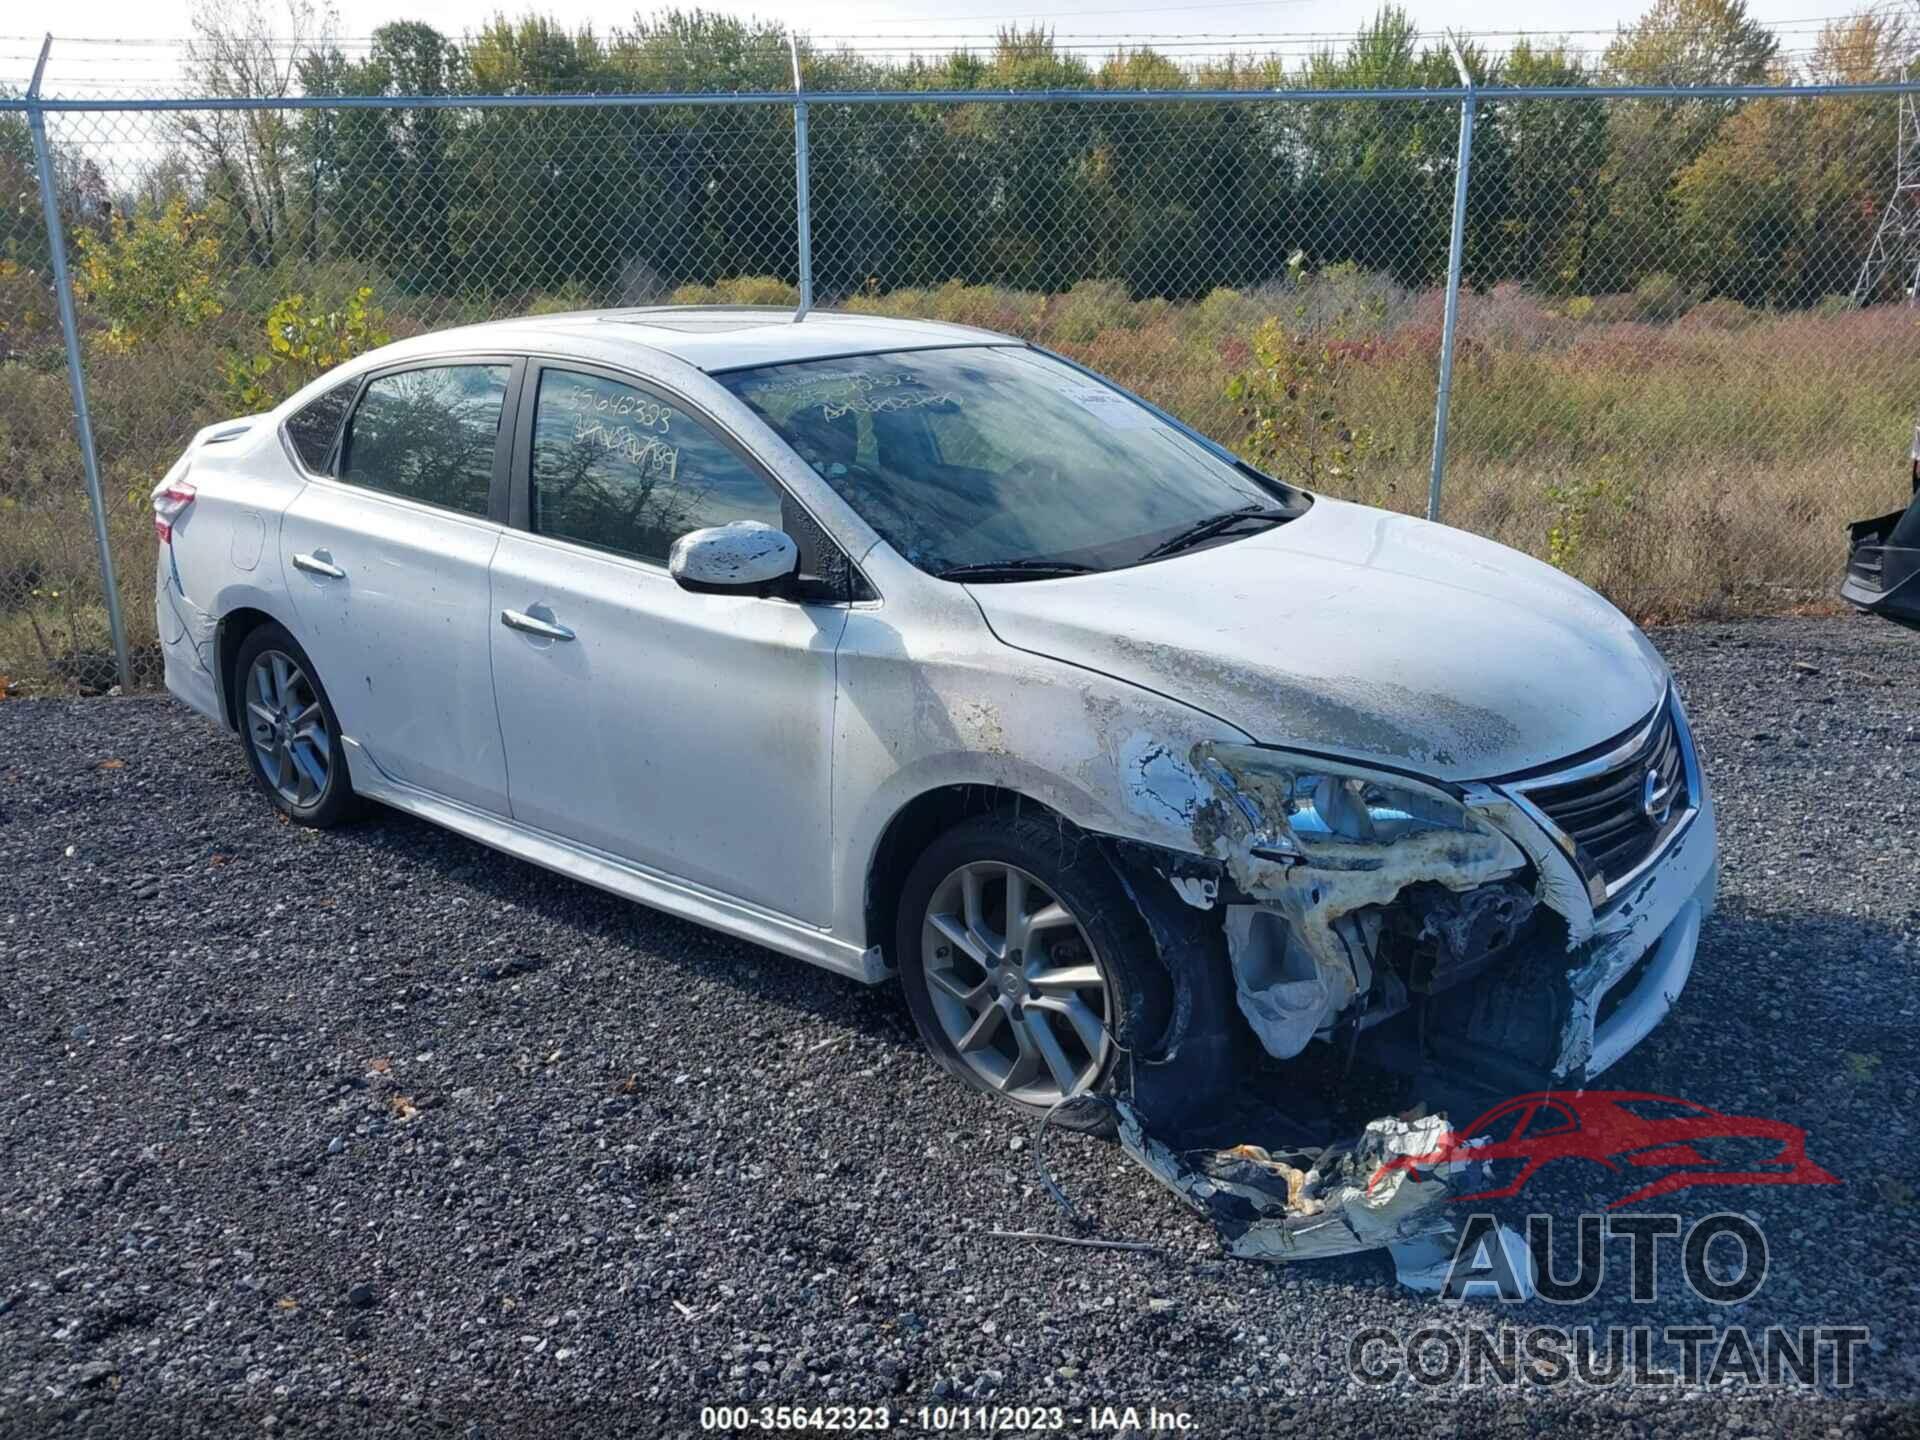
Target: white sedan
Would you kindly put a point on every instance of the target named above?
(913, 649)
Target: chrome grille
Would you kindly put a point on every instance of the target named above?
(1615, 815)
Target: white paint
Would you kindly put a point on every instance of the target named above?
(744, 553)
(402, 639)
(1358, 633)
(689, 733)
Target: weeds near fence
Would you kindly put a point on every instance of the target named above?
(1703, 464)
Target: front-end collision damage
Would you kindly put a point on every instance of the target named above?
(1441, 931)
(1349, 897)
(1310, 1205)
(1370, 870)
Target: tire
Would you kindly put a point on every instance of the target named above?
(954, 975)
(286, 720)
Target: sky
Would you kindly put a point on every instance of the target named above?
(1295, 27)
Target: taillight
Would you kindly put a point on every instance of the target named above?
(169, 504)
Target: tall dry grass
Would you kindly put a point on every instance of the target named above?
(1700, 466)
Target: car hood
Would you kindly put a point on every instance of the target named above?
(1359, 633)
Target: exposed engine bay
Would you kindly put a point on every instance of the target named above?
(1480, 954)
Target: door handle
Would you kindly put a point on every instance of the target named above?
(533, 625)
(314, 565)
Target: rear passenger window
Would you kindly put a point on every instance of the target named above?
(619, 470)
(428, 435)
(316, 425)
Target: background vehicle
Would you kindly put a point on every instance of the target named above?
(1883, 559)
(908, 647)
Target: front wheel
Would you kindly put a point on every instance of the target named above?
(1027, 969)
(291, 734)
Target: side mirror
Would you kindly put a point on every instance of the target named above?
(744, 558)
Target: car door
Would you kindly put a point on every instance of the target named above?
(690, 733)
(386, 559)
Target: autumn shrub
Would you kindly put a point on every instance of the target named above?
(304, 341)
(28, 315)
(1092, 306)
(151, 274)
(745, 290)
(1352, 301)
(568, 298)
(1300, 402)
(1660, 297)
(1719, 313)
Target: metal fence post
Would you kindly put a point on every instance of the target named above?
(76, 380)
(802, 207)
(1455, 248)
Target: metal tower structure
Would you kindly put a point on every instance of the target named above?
(1896, 244)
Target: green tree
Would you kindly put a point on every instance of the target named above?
(248, 158)
(1677, 42)
(1538, 196)
(1377, 177)
(384, 176)
(1780, 208)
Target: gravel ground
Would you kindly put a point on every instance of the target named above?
(380, 1131)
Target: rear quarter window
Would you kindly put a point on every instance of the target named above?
(314, 427)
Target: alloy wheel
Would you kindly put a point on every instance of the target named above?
(287, 726)
(1016, 984)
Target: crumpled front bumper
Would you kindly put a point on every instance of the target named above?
(1558, 969)
(1562, 1016)
(1640, 955)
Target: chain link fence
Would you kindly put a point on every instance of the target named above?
(1668, 374)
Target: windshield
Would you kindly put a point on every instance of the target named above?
(968, 459)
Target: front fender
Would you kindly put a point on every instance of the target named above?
(1108, 756)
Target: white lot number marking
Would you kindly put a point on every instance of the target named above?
(1116, 410)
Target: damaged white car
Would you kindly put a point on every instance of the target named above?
(912, 649)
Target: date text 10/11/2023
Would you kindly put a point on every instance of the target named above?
(979, 1419)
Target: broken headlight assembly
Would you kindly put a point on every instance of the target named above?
(1322, 812)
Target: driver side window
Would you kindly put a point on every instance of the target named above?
(618, 469)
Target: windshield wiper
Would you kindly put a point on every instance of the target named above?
(1214, 525)
(1032, 569)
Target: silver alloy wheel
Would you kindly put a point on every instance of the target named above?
(288, 728)
(1015, 983)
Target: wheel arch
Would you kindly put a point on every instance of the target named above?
(230, 633)
(913, 827)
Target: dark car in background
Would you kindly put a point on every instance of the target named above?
(1883, 560)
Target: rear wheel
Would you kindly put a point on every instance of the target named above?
(289, 730)
(1027, 969)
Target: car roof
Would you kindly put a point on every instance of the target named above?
(710, 337)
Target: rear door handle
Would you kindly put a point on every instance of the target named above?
(315, 565)
(533, 625)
